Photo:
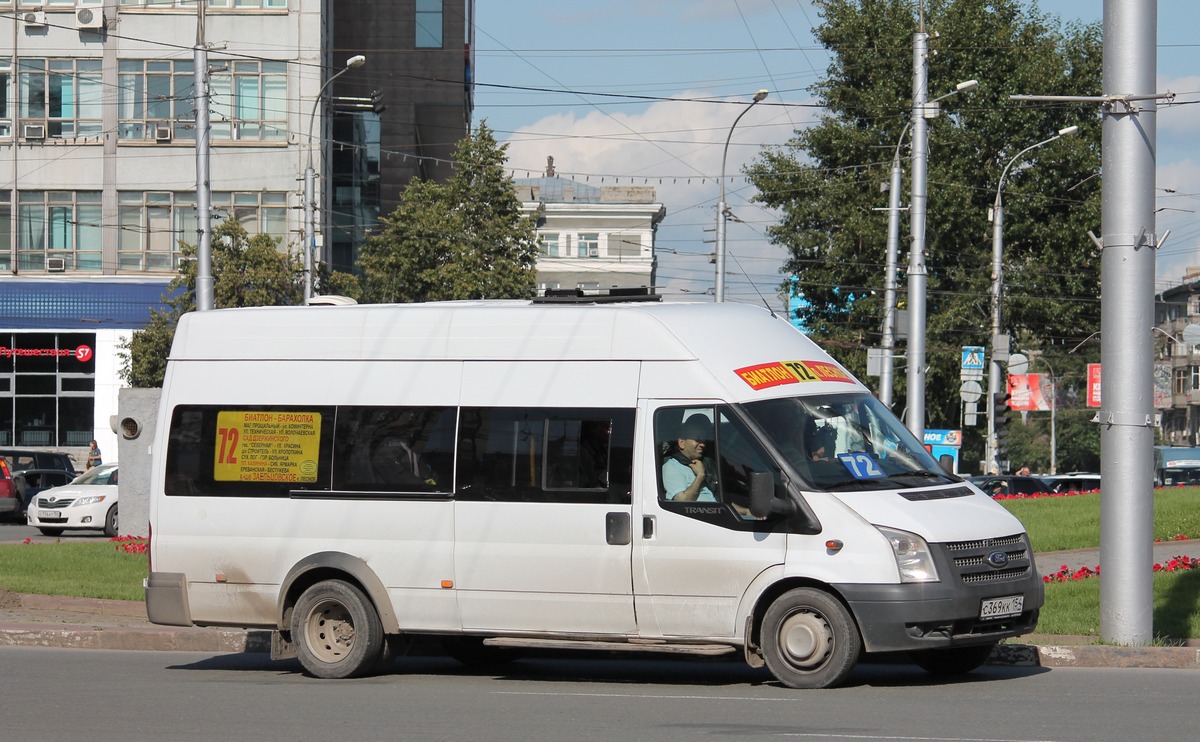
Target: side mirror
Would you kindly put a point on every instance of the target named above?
(763, 501)
(947, 462)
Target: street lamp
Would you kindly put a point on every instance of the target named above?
(893, 249)
(758, 97)
(997, 287)
(310, 237)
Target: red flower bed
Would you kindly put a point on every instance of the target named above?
(1174, 564)
(131, 544)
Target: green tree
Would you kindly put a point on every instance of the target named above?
(247, 272)
(464, 239)
(825, 182)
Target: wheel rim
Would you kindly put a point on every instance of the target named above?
(329, 631)
(806, 639)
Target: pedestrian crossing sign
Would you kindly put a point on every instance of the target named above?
(972, 358)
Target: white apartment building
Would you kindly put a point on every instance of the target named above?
(592, 236)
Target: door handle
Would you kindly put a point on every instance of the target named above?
(616, 529)
(648, 524)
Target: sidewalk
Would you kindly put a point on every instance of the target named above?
(90, 623)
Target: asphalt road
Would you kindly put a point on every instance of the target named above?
(61, 694)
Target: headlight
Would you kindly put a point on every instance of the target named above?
(912, 555)
(89, 500)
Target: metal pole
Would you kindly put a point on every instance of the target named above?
(889, 287)
(916, 256)
(204, 275)
(721, 206)
(1126, 316)
(310, 203)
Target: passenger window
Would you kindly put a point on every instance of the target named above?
(545, 455)
(394, 449)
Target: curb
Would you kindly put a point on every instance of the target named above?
(164, 639)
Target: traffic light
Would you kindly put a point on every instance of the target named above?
(1000, 412)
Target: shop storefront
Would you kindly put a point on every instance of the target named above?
(60, 347)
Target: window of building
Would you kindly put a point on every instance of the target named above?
(154, 94)
(1195, 378)
(429, 24)
(1179, 381)
(50, 399)
(259, 212)
(190, 5)
(150, 226)
(5, 110)
(249, 101)
(6, 254)
(65, 225)
(63, 95)
(550, 245)
(589, 245)
(625, 245)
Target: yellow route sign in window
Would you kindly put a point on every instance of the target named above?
(267, 446)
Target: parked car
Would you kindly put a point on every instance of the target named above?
(20, 459)
(29, 482)
(1010, 484)
(10, 502)
(89, 502)
(1076, 481)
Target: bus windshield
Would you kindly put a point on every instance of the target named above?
(846, 442)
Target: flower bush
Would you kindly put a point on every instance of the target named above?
(1174, 564)
(131, 544)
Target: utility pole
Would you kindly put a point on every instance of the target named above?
(917, 277)
(889, 285)
(204, 276)
(1126, 316)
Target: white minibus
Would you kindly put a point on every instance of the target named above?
(577, 473)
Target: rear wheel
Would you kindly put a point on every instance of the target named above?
(337, 632)
(51, 531)
(953, 661)
(110, 522)
(809, 639)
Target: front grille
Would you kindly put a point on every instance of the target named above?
(969, 559)
(56, 504)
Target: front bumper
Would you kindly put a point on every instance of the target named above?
(914, 616)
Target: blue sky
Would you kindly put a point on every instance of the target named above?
(685, 50)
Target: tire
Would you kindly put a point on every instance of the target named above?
(110, 522)
(952, 661)
(809, 639)
(472, 652)
(337, 632)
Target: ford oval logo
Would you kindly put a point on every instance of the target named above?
(998, 559)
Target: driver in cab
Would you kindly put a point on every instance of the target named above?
(685, 472)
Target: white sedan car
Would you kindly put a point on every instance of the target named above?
(89, 502)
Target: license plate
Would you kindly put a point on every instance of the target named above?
(48, 514)
(1010, 605)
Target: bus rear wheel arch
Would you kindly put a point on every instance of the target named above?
(337, 632)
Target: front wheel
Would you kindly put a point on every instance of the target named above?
(953, 661)
(110, 522)
(809, 639)
(337, 632)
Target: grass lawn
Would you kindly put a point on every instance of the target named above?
(76, 569)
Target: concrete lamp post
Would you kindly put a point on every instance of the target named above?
(310, 206)
(720, 290)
